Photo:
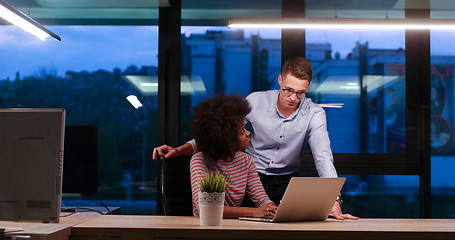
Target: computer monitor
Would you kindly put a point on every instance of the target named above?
(80, 165)
(31, 158)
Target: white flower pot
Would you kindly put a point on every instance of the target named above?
(211, 207)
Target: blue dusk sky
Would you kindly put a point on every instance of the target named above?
(106, 47)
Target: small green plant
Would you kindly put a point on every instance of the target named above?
(213, 182)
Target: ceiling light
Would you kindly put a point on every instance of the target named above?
(331, 105)
(343, 23)
(24, 22)
(134, 101)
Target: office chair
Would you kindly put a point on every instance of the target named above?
(176, 186)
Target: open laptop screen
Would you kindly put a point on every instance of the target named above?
(306, 199)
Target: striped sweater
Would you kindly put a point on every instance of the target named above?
(242, 176)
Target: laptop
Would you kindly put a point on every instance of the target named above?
(306, 199)
(31, 158)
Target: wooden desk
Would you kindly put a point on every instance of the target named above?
(167, 227)
(50, 231)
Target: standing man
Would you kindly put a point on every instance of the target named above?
(283, 121)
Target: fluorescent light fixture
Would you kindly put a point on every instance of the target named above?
(25, 23)
(343, 23)
(134, 101)
(331, 105)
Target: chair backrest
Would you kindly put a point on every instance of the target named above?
(176, 186)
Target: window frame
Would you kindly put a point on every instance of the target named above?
(416, 160)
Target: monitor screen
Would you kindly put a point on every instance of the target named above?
(80, 164)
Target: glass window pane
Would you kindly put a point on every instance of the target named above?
(381, 196)
(90, 73)
(359, 78)
(442, 122)
(222, 60)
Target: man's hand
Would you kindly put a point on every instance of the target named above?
(336, 213)
(168, 151)
(164, 150)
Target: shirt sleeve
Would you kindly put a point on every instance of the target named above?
(193, 143)
(198, 168)
(320, 145)
(247, 117)
(254, 186)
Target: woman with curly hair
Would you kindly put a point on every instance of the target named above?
(218, 127)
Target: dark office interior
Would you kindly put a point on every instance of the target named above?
(392, 136)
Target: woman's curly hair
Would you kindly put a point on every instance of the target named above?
(216, 123)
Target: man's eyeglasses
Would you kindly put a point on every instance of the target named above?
(288, 92)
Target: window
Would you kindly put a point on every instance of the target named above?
(442, 122)
(359, 78)
(381, 196)
(90, 73)
(222, 60)
(216, 59)
(372, 118)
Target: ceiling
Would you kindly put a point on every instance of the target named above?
(146, 11)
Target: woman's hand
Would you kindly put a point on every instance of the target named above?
(236, 212)
(266, 210)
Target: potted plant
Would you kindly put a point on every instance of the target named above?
(211, 198)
